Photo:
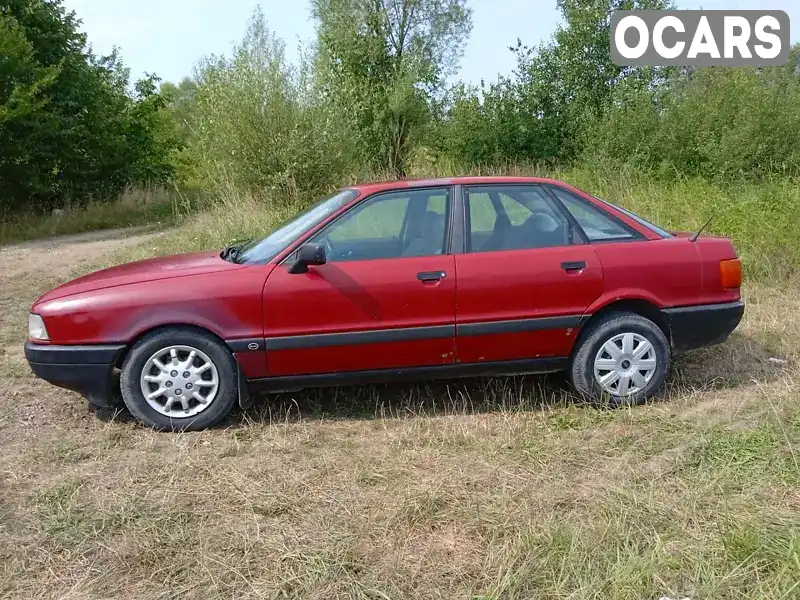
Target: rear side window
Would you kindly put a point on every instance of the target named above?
(638, 219)
(514, 217)
(596, 224)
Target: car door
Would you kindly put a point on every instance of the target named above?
(525, 279)
(384, 299)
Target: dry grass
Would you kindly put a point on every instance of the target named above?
(135, 207)
(496, 489)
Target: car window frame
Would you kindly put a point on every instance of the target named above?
(449, 224)
(579, 237)
(636, 236)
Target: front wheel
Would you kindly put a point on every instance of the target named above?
(178, 379)
(623, 359)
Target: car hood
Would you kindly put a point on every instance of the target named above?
(153, 269)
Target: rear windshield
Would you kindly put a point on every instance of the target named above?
(638, 219)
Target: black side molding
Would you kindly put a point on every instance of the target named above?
(246, 345)
(373, 336)
(518, 325)
(489, 369)
(377, 336)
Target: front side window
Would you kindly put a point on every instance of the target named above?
(265, 249)
(392, 225)
(597, 225)
(514, 218)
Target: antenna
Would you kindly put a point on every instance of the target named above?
(694, 236)
(699, 231)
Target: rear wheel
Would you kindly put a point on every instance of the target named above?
(179, 379)
(623, 359)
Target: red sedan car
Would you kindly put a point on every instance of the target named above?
(400, 280)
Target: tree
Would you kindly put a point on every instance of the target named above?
(69, 130)
(558, 89)
(571, 79)
(180, 103)
(259, 125)
(384, 61)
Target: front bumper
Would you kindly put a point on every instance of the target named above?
(88, 370)
(694, 327)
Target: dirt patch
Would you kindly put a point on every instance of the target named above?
(57, 256)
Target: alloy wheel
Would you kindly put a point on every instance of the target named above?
(179, 381)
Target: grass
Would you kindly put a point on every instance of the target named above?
(134, 207)
(518, 497)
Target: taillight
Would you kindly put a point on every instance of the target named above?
(730, 273)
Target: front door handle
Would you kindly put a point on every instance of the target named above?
(577, 265)
(431, 276)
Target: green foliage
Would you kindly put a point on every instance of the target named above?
(384, 61)
(541, 112)
(723, 122)
(369, 100)
(22, 81)
(567, 102)
(180, 101)
(257, 124)
(69, 130)
(135, 207)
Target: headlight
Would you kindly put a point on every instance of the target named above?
(36, 328)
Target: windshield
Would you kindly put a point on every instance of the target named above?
(264, 250)
(638, 219)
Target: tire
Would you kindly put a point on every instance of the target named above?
(620, 329)
(158, 412)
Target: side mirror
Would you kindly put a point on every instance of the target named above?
(308, 254)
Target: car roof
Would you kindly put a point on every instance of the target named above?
(380, 186)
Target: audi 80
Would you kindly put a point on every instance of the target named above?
(390, 281)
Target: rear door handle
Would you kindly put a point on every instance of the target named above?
(573, 266)
(430, 276)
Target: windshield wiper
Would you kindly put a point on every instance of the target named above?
(231, 253)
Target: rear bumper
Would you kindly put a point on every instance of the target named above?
(88, 370)
(694, 327)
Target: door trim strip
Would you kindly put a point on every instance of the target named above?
(246, 345)
(352, 338)
(518, 325)
(405, 334)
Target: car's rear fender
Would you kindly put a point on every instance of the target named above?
(640, 305)
(713, 252)
(634, 300)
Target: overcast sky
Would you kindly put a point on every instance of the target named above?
(168, 37)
